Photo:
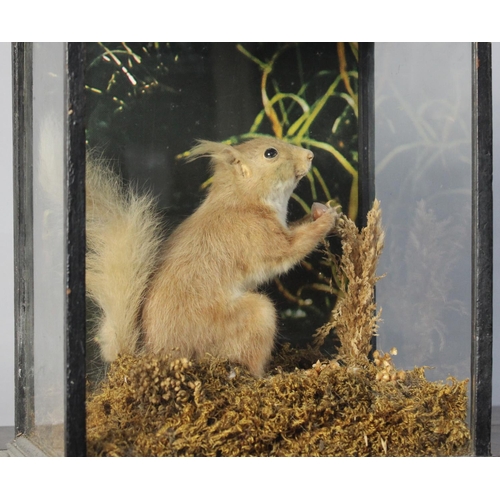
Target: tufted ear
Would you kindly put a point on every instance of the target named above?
(217, 151)
(219, 154)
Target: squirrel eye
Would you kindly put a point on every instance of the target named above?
(270, 153)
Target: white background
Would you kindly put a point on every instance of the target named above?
(6, 244)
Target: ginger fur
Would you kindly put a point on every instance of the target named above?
(197, 291)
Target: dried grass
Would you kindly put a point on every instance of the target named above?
(354, 317)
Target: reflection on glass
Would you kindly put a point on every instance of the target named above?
(48, 243)
(423, 179)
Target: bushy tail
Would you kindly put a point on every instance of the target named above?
(124, 236)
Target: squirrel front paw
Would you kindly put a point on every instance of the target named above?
(318, 209)
(325, 213)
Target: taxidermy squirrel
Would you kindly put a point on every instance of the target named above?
(195, 292)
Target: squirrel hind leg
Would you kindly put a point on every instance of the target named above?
(250, 329)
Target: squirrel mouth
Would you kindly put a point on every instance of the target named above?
(300, 174)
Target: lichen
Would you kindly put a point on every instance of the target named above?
(157, 406)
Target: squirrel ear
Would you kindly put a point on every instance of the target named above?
(218, 152)
(243, 169)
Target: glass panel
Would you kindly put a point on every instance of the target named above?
(48, 246)
(423, 179)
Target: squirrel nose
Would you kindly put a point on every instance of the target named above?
(310, 155)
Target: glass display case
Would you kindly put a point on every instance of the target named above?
(406, 124)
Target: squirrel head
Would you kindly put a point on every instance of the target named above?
(265, 167)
